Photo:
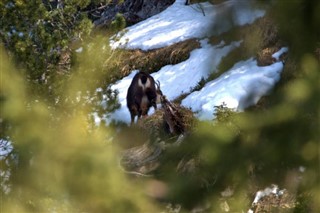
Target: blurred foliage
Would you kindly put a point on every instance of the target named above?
(254, 149)
(301, 30)
(64, 163)
(223, 113)
(119, 22)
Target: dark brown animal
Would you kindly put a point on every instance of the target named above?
(143, 93)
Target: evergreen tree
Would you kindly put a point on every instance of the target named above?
(39, 34)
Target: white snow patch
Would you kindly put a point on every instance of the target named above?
(302, 169)
(180, 22)
(181, 78)
(5, 148)
(240, 87)
(79, 50)
(279, 53)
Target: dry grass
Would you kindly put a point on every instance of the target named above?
(156, 126)
(273, 203)
(148, 61)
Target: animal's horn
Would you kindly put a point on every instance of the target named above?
(158, 84)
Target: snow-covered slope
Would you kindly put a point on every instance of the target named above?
(180, 22)
(180, 78)
(240, 87)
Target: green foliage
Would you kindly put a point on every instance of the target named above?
(63, 163)
(200, 84)
(37, 34)
(44, 39)
(223, 113)
(300, 31)
(118, 23)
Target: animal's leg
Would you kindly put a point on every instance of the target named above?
(139, 114)
(132, 118)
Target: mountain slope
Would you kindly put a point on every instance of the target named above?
(180, 22)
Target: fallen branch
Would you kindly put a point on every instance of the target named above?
(172, 116)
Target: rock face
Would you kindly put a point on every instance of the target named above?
(132, 10)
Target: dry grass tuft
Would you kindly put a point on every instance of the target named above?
(264, 57)
(156, 126)
(148, 61)
(273, 203)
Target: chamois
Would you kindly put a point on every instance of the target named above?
(143, 93)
